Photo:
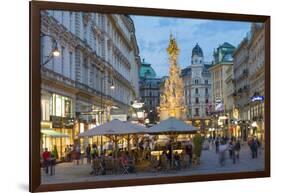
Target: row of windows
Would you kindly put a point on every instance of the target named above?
(151, 93)
(96, 42)
(197, 100)
(56, 105)
(197, 81)
(197, 91)
(197, 112)
(90, 76)
(152, 103)
(195, 61)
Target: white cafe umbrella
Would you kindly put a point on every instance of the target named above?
(170, 126)
(114, 128)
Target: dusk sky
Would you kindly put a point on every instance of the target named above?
(153, 37)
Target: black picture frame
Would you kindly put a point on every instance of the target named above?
(35, 79)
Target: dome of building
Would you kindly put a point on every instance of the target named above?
(197, 51)
(146, 71)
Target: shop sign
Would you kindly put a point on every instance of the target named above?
(218, 105)
(56, 122)
(68, 122)
(60, 122)
(257, 98)
(140, 114)
(235, 113)
(46, 124)
(121, 117)
(137, 105)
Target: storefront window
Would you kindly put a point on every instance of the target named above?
(62, 106)
(58, 109)
(67, 108)
(46, 102)
(81, 127)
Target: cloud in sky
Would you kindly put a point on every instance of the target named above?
(153, 37)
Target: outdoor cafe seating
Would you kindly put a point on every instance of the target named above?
(117, 130)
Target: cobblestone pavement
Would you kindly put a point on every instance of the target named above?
(69, 172)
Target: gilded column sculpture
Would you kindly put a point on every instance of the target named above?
(172, 97)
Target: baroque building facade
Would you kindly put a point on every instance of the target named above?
(241, 93)
(222, 61)
(96, 52)
(256, 76)
(249, 83)
(197, 89)
(150, 91)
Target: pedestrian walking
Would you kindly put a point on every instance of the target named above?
(217, 143)
(189, 152)
(222, 151)
(236, 151)
(230, 149)
(67, 151)
(78, 153)
(94, 152)
(253, 143)
(88, 153)
(170, 153)
(46, 160)
(177, 161)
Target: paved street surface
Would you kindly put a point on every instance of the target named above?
(69, 172)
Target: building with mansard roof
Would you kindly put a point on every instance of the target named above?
(197, 89)
(220, 72)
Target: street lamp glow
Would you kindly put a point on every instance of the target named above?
(112, 87)
(254, 124)
(56, 52)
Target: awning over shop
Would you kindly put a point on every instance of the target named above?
(52, 133)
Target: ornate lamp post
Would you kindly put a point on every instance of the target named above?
(112, 87)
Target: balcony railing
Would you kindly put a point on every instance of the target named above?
(50, 74)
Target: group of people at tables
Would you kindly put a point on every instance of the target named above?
(126, 161)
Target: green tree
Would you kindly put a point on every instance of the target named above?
(198, 142)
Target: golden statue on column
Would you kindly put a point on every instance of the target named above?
(172, 97)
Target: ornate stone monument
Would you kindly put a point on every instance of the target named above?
(172, 98)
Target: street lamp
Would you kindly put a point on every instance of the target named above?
(54, 52)
(112, 87)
